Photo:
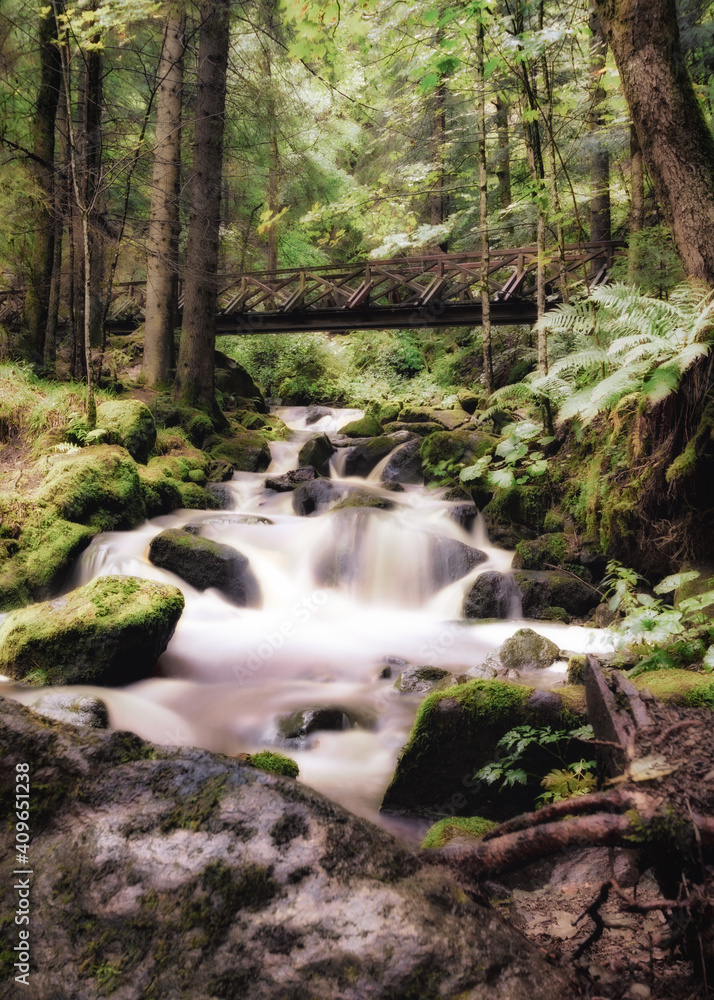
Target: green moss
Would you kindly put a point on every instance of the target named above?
(129, 423)
(248, 452)
(368, 426)
(250, 887)
(275, 763)
(453, 826)
(576, 668)
(553, 521)
(681, 687)
(194, 811)
(99, 487)
(360, 498)
(546, 552)
(460, 446)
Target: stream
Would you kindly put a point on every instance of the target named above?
(230, 674)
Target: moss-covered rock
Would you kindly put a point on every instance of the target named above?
(422, 428)
(99, 487)
(247, 452)
(129, 423)
(527, 649)
(274, 763)
(459, 827)
(368, 426)
(463, 446)
(232, 379)
(110, 631)
(367, 454)
(520, 506)
(404, 466)
(204, 563)
(547, 552)
(74, 710)
(384, 411)
(313, 496)
(471, 402)
(362, 498)
(448, 419)
(541, 589)
(317, 452)
(492, 595)
(421, 680)
(455, 733)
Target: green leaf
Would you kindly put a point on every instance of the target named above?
(708, 661)
(501, 479)
(675, 581)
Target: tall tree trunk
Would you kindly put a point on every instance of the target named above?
(437, 207)
(164, 227)
(677, 145)
(195, 370)
(503, 162)
(43, 168)
(600, 223)
(637, 203)
(273, 188)
(552, 175)
(90, 148)
(483, 215)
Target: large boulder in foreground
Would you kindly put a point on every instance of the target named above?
(163, 872)
(129, 423)
(317, 452)
(111, 631)
(204, 563)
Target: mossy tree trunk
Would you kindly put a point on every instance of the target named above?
(483, 211)
(677, 144)
(195, 370)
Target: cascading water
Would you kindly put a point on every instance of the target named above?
(344, 595)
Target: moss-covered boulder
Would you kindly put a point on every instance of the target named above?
(448, 419)
(454, 446)
(247, 452)
(547, 552)
(291, 480)
(204, 563)
(422, 428)
(421, 680)
(384, 411)
(471, 402)
(99, 487)
(517, 513)
(451, 828)
(111, 631)
(317, 452)
(526, 649)
(367, 426)
(455, 733)
(313, 496)
(173, 872)
(74, 710)
(543, 589)
(173, 481)
(129, 423)
(363, 498)
(681, 687)
(232, 379)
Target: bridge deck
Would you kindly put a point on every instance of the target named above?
(427, 291)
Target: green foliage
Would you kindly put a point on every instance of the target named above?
(453, 826)
(568, 781)
(661, 635)
(518, 459)
(275, 763)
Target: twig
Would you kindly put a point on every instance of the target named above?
(684, 724)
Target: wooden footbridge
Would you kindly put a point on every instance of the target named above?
(405, 292)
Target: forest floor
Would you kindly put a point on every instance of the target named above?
(639, 951)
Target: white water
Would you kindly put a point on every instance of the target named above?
(229, 673)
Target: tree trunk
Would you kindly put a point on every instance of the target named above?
(637, 204)
(600, 221)
(483, 207)
(437, 208)
(90, 149)
(195, 370)
(164, 228)
(43, 169)
(677, 145)
(503, 161)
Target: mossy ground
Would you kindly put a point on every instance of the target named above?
(446, 829)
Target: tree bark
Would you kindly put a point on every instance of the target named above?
(600, 216)
(437, 208)
(164, 228)
(43, 168)
(195, 370)
(483, 211)
(677, 145)
(503, 161)
(637, 204)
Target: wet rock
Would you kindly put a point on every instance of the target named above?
(288, 481)
(317, 453)
(393, 487)
(493, 595)
(129, 423)
(470, 402)
(520, 509)
(196, 868)
(363, 498)
(73, 710)
(454, 734)
(542, 589)
(419, 680)
(204, 563)
(457, 494)
(464, 514)
(251, 519)
(451, 559)
(315, 413)
(367, 454)
(367, 426)
(404, 466)
(223, 496)
(306, 721)
(111, 631)
(454, 446)
(313, 496)
(548, 551)
(422, 428)
(527, 649)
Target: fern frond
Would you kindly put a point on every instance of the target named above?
(662, 382)
(578, 405)
(608, 392)
(571, 364)
(516, 393)
(691, 353)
